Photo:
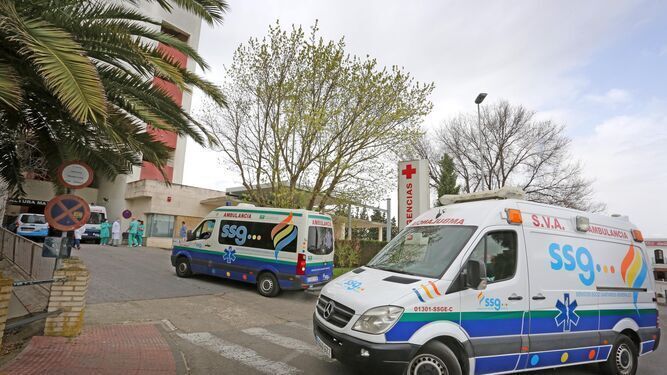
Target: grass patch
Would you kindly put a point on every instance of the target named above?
(341, 270)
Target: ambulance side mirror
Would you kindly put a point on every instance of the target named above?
(476, 274)
(190, 236)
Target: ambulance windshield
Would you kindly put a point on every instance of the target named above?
(423, 250)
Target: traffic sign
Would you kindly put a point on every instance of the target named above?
(67, 212)
(127, 214)
(75, 174)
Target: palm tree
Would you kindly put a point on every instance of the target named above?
(76, 79)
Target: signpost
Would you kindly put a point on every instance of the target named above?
(56, 247)
(413, 190)
(75, 174)
(67, 212)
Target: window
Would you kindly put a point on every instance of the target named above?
(320, 240)
(96, 218)
(498, 252)
(268, 236)
(204, 230)
(423, 250)
(160, 225)
(33, 219)
(659, 257)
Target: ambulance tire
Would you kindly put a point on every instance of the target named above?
(183, 268)
(623, 359)
(267, 284)
(434, 358)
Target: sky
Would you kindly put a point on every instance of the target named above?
(599, 67)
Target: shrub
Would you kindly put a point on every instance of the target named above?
(355, 253)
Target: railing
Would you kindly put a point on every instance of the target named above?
(26, 255)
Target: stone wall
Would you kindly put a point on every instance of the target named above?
(70, 297)
(5, 297)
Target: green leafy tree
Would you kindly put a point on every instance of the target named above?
(76, 81)
(306, 116)
(377, 217)
(447, 177)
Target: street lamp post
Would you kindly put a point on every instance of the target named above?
(478, 100)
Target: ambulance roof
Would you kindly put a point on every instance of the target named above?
(489, 212)
(249, 208)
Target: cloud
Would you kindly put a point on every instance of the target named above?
(625, 155)
(532, 53)
(613, 96)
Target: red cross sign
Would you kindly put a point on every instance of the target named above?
(408, 171)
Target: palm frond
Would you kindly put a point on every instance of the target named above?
(211, 11)
(10, 86)
(61, 62)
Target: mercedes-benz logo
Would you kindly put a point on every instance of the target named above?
(328, 310)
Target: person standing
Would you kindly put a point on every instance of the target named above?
(105, 232)
(115, 233)
(132, 233)
(183, 232)
(78, 233)
(140, 233)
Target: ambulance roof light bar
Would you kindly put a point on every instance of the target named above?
(502, 193)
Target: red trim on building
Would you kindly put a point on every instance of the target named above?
(148, 170)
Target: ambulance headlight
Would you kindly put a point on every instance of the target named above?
(378, 319)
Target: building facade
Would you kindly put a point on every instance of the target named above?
(656, 247)
(143, 192)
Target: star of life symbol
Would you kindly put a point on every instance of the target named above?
(230, 255)
(566, 317)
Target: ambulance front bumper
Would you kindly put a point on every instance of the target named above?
(381, 358)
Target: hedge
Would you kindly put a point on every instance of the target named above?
(355, 253)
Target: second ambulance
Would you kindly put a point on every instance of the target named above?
(491, 286)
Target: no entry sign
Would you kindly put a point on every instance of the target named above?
(67, 212)
(75, 174)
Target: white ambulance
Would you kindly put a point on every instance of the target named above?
(493, 285)
(275, 248)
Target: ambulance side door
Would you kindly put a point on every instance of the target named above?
(493, 316)
(564, 316)
(201, 241)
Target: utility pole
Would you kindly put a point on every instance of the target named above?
(480, 98)
(388, 219)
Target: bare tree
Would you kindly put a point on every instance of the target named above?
(508, 146)
(306, 121)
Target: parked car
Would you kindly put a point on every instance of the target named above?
(32, 226)
(92, 230)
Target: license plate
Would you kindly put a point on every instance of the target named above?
(323, 347)
(312, 279)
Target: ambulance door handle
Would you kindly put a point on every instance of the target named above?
(207, 245)
(514, 297)
(539, 297)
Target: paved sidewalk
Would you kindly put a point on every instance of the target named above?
(114, 349)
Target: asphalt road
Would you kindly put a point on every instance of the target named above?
(218, 326)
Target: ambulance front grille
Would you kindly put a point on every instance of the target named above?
(341, 314)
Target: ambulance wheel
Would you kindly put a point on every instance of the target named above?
(183, 267)
(623, 359)
(435, 358)
(267, 285)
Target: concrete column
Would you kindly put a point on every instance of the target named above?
(70, 297)
(5, 296)
(380, 233)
